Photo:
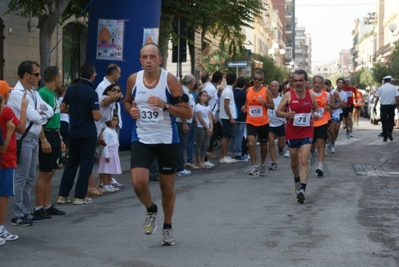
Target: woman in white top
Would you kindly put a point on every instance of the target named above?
(204, 128)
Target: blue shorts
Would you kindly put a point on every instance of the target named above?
(297, 143)
(7, 182)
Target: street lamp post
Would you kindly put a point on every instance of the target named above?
(274, 51)
(392, 28)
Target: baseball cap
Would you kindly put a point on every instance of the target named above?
(347, 79)
(4, 88)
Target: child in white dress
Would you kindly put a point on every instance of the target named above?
(109, 159)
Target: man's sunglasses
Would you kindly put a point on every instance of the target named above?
(257, 79)
(35, 74)
(115, 90)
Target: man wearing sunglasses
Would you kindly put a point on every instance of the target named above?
(38, 112)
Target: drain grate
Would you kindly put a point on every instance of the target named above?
(369, 170)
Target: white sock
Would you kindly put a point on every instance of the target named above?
(1, 228)
(38, 207)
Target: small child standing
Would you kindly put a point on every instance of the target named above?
(203, 132)
(109, 159)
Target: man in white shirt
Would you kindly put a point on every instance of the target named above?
(112, 75)
(38, 112)
(228, 114)
(389, 99)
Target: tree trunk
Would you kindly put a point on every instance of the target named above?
(47, 24)
(191, 46)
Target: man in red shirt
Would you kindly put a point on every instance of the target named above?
(300, 108)
(347, 112)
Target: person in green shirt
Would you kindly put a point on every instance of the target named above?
(50, 145)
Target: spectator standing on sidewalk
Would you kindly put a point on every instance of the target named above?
(259, 100)
(8, 157)
(227, 115)
(389, 96)
(154, 98)
(81, 102)
(38, 112)
(299, 107)
(184, 126)
(50, 145)
(235, 146)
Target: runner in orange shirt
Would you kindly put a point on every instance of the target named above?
(357, 102)
(323, 100)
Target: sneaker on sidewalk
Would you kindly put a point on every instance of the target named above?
(7, 236)
(149, 223)
(273, 166)
(183, 173)
(168, 238)
(287, 154)
(81, 201)
(227, 160)
(230, 158)
(297, 188)
(22, 221)
(209, 164)
(109, 189)
(301, 196)
(63, 200)
(319, 170)
(333, 149)
(41, 213)
(54, 211)
(240, 158)
(115, 183)
(33, 218)
(262, 170)
(348, 134)
(254, 170)
(2, 241)
(191, 165)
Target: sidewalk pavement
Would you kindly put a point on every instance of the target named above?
(224, 217)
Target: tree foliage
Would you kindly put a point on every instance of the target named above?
(49, 13)
(222, 18)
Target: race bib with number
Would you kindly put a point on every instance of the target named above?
(255, 111)
(272, 113)
(321, 112)
(150, 114)
(349, 93)
(302, 120)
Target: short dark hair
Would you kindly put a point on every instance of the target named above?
(205, 78)
(342, 79)
(50, 73)
(217, 76)
(301, 72)
(241, 82)
(111, 69)
(26, 67)
(231, 78)
(86, 70)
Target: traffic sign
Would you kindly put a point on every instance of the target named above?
(237, 64)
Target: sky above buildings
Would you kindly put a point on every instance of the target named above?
(330, 24)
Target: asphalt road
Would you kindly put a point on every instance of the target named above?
(224, 217)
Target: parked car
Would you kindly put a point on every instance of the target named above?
(375, 116)
(364, 112)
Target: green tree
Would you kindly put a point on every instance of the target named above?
(222, 18)
(49, 13)
(379, 71)
(271, 71)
